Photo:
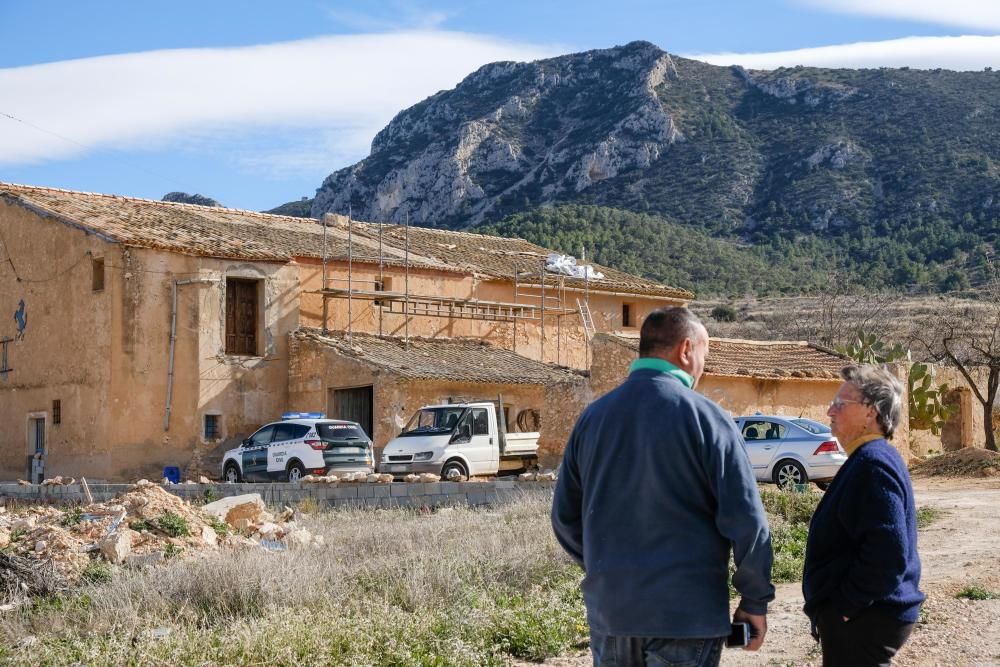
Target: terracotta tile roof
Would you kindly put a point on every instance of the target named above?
(460, 359)
(761, 359)
(230, 233)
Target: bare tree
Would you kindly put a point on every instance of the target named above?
(968, 337)
(833, 316)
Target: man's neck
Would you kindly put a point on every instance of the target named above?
(663, 365)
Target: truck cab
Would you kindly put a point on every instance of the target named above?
(458, 441)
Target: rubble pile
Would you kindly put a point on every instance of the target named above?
(334, 478)
(143, 526)
(547, 476)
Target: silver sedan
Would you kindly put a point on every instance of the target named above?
(791, 450)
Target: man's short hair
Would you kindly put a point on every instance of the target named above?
(665, 328)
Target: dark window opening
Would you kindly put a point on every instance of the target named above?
(97, 279)
(383, 285)
(242, 312)
(56, 411)
(627, 320)
(212, 427)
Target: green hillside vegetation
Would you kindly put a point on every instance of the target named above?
(674, 254)
(684, 256)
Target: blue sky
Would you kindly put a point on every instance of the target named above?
(254, 103)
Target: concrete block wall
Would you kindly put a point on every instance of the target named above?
(358, 495)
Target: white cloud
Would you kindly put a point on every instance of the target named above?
(967, 52)
(975, 14)
(354, 83)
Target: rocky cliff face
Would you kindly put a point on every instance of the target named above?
(757, 156)
(512, 132)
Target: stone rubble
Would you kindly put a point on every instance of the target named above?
(144, 526)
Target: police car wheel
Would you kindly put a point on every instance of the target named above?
(232, 473)
(295, 472)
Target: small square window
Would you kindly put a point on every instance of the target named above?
(56, 411)
(212, 427)
(97, 279)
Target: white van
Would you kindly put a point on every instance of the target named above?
(458, 441)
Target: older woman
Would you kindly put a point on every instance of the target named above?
(862, 571)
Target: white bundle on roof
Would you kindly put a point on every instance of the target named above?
(567, 266)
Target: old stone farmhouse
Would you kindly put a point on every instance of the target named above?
(138, 334)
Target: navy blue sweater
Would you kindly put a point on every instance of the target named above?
(654, 490)
(862, 549)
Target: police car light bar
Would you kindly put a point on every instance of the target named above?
(303, 415)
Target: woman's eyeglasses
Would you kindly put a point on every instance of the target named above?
(839, 403)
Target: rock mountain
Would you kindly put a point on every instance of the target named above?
(840, 159)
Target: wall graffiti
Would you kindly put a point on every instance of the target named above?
(21, 319)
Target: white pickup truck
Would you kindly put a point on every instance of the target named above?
(458, 441)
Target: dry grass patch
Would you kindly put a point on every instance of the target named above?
(458, 587)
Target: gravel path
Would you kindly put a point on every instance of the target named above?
(960, 548)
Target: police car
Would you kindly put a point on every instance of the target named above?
(302, 443)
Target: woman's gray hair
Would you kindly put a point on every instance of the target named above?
(880, 389)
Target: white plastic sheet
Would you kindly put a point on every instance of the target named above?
(567, 266)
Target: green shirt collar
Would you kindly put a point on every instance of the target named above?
(663, 366)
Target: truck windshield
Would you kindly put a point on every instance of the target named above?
(433, 420)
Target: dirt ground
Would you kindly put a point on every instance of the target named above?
(960, 548)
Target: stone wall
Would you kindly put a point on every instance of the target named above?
(396, 494)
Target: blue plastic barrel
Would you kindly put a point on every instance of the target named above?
(173, 473)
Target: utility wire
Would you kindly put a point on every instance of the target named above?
(129, 163)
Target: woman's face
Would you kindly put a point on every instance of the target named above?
(849, 417)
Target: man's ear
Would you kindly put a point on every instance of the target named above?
(685, 351)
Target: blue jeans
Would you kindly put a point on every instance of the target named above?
(609, 651)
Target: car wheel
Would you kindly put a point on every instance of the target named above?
(789, 472)
(458, 466)
(295, 472)
(232, 473)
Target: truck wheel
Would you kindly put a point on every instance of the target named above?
(232, 473)
(295, 472)
(463, 474)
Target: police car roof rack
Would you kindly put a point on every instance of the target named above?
(303, 415)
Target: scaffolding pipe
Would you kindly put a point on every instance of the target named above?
(541, 344)
(350, 277)
(586, 300)
(406, 302)
(515, 301)
(173, 341)
(326, 302)
(381, 277)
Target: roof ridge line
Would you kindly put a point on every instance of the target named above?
(144, 200)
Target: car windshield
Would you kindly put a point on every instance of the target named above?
(433, 420)
(333, 431)
(811, 426)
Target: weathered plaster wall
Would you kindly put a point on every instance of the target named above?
(245, 391)
(965, 427)
(564, 339)
(315, 370)
(63, 351)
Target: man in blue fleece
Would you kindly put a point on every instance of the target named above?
(654, 491)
